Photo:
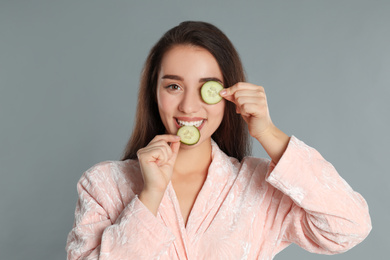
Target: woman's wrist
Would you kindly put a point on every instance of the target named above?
(274, 142)
(151, 199)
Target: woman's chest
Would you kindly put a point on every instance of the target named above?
(186, 191)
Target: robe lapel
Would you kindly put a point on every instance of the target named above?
(171, 215)
(221, 175)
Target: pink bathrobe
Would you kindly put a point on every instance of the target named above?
(247, 210)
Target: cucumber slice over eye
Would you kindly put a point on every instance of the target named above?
(210, 92)
(189, 135)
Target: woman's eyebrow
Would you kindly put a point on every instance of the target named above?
(175, 77)
(210, 79)
(202, 80)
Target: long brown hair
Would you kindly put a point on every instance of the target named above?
(232, 135)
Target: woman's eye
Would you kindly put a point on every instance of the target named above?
(173, 87)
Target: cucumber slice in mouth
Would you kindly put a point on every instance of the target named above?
(210, 92)
(189, 135)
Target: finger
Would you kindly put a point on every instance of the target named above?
(158, 157)
(250, 109)
(240, 86)
(157, 152)
(250, 93)
(248, 100)
(152, 154)
(242, 89)
(167, 138)
(243, 97)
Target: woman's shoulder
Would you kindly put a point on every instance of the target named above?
(251, 165)
(255, 162)
(111, 168)
(112, 172)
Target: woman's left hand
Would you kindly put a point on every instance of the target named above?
(251, 103)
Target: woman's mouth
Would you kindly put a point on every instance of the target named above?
(198, 123)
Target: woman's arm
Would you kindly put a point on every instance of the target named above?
(321, 212)
(106, 228)
(274, 142)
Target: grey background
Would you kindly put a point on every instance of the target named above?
(69, 74)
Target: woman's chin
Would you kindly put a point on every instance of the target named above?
(200, 143)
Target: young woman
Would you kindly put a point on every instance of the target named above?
(169, 200)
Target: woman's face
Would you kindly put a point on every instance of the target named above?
(184, 69)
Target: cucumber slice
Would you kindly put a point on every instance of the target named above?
(210, 92)
(189, 134)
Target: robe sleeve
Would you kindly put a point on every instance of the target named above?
(325, 216)
(105, 228)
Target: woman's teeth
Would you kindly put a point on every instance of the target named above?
(189, 123)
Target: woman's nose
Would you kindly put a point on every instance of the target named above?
(190, 103)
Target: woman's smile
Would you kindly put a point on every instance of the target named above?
(185, 121)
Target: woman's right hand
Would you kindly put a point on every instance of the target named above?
(157, 160)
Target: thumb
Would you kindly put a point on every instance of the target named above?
(226, 94)
(175, 146)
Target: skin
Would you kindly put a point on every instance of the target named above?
(183, 71)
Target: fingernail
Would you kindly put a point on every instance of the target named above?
(223, 92)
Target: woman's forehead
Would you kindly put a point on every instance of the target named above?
(186, 61)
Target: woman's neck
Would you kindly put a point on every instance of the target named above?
(193, 159)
